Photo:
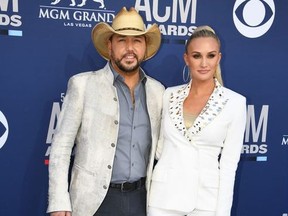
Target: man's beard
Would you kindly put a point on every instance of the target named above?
(126, 67)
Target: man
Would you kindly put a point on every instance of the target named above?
(113, 116)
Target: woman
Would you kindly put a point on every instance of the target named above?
(202, 135)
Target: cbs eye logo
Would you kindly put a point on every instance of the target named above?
(253, 18)
(3, 129)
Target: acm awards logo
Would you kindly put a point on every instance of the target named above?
(253, 18)
(54, 116)
(177, 19)
(255, 147)
(4, 129)
(77, 13)
(10, 19)
(285, 141)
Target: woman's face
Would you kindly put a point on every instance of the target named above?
(202, 58)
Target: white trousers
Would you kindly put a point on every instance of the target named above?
(152, 211)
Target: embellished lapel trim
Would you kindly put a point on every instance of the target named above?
(213, 107)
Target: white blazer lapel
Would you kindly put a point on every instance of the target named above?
(176, 108)
(214, 106)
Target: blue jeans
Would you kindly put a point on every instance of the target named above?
(116, 202)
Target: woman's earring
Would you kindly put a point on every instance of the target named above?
(186, 73)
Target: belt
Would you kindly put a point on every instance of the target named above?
(129, 186)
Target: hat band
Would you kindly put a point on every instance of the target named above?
(135, 29)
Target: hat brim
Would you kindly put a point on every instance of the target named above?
(102, 32)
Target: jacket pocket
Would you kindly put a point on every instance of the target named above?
(81, 169)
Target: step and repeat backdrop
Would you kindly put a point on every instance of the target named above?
(43, 43)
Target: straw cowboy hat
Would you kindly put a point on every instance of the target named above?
(128, 23)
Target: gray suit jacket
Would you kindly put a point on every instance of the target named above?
(90, 118)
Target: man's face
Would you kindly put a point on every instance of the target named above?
(127, 52)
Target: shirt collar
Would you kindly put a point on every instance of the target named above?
(117, 76)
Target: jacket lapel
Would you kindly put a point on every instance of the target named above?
(213, 107)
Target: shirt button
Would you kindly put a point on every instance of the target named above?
(109, 166)
(104, 186)
(113, 144)
(116, 122)
(115, 99)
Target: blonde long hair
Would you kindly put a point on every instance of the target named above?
(206, 31)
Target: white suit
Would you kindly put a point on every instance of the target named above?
(189, 173)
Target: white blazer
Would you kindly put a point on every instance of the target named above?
(189, 173)
(89, 117)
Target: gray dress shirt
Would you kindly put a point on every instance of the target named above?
(134, 138)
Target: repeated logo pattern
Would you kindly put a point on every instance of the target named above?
(3, 129)
(83, 3)
(253, 18)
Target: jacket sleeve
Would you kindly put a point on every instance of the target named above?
(160, 141)
(63, 141)
(230, 156)
(165, 103)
